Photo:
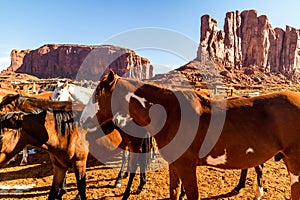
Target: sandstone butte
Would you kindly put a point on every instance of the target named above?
(80, 62)
(249, 39)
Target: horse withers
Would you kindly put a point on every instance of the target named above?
(254, 129)
(51, 126)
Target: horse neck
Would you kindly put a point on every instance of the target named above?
(159, 119)
(79, 93)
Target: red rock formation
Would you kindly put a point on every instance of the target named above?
(249, 40)
(16, 58)
(69, 61)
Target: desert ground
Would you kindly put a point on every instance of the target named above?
(213, 183)
(33, 181)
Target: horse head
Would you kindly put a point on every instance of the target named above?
(61, 92)
(115, 99)
(20, 129)
(12, 120)
(91, 116)
(10, 139)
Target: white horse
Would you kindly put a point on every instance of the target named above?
(70, 92)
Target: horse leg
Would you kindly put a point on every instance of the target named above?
(58, 182)
(24, 158)
(242, 181)
(189, 180)
(260, 190)
(182, 193)
(133, 168)
(293, 166)
(124, 159)
(144, 160)
(143, 165)
(127, 157)
(80, 173)
(175, 183)
(13, 159)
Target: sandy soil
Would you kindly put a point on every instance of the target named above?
(213, 183)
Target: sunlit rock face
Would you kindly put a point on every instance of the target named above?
(250, 40)
(80, 61)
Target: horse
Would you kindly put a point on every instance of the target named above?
(249, 131)
(24, 161)
(67, 91)
(50, 126)
(70, 92)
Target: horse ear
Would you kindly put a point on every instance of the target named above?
(111, 76)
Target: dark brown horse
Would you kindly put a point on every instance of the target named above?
(233, 134)
(53, 131)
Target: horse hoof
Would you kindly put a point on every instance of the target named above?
(138, 191)
(118, 185)
(125, 175)
(77, 197)
(23, 163)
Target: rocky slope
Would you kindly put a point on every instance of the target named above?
(79, 61)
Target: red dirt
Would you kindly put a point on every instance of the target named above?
(100, 181)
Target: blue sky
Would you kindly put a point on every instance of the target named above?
(31, 24)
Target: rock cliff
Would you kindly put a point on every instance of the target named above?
(16, 58)
(250, 40)
(55, 60)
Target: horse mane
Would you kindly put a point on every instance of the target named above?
(39, 104)
(64, 122)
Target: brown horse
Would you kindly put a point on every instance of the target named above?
(233, 134)
(53, 131)
(106, 145)
(44, 95)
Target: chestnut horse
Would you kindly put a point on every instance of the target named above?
(53, 131)
(248, 132)
(68, 91)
